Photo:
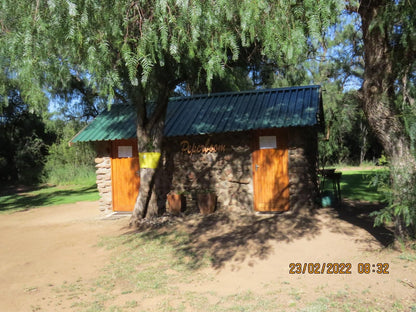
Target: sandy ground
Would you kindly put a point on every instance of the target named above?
(44, 248)
(41, 249)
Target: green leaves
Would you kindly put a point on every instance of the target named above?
(129, 38)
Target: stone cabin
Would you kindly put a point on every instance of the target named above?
(256, 149)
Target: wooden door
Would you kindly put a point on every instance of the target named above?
(124, 174)
(270, 172)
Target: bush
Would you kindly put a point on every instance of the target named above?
(403, 210)
(24, 140)
(69, 165)
(29, 159)
(69, 174)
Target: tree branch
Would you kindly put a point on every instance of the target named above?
(350, 8)
(406, 94)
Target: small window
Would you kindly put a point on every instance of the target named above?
(267, 142)
(125, 151)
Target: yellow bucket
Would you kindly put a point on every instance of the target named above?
(149, 160)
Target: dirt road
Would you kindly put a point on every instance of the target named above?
(45, 249)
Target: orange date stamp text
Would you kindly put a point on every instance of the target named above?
(320, 268)
(337, 268)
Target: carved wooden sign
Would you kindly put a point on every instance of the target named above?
(192, 148)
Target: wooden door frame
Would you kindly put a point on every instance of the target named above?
(278, 132)
(114, 155)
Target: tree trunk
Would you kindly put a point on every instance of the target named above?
(146, 203)
(149, 138)
(378, 100)
(363, 148)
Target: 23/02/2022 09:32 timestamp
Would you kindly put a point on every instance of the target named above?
(338, 268)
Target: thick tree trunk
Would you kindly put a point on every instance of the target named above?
(146, 203)
(378, 100)
(149, 138)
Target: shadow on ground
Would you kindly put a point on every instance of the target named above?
(223, 236)
(358, 214)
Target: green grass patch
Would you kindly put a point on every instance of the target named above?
(45, 195)
(349, 301)
(358, 185)
(411, 257)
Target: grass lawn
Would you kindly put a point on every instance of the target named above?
(356, 184)
(45, 195)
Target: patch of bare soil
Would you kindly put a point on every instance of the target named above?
(252, 253)
(45, 248)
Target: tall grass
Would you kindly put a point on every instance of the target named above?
(69, 165)
(69, 174)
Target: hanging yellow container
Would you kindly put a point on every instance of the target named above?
(149, 160)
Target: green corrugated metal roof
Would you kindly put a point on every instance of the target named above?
(115, 124)
(216, 113)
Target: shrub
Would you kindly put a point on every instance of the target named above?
(69, 165)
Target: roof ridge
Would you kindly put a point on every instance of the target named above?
(216, 94)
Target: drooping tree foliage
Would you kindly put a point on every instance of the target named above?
(337, 65)
(148, 48)
(77, 101)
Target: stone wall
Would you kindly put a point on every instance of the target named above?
(103, 172)
(223, 163)
(103, 176)
(303, 151)
(220, 162)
